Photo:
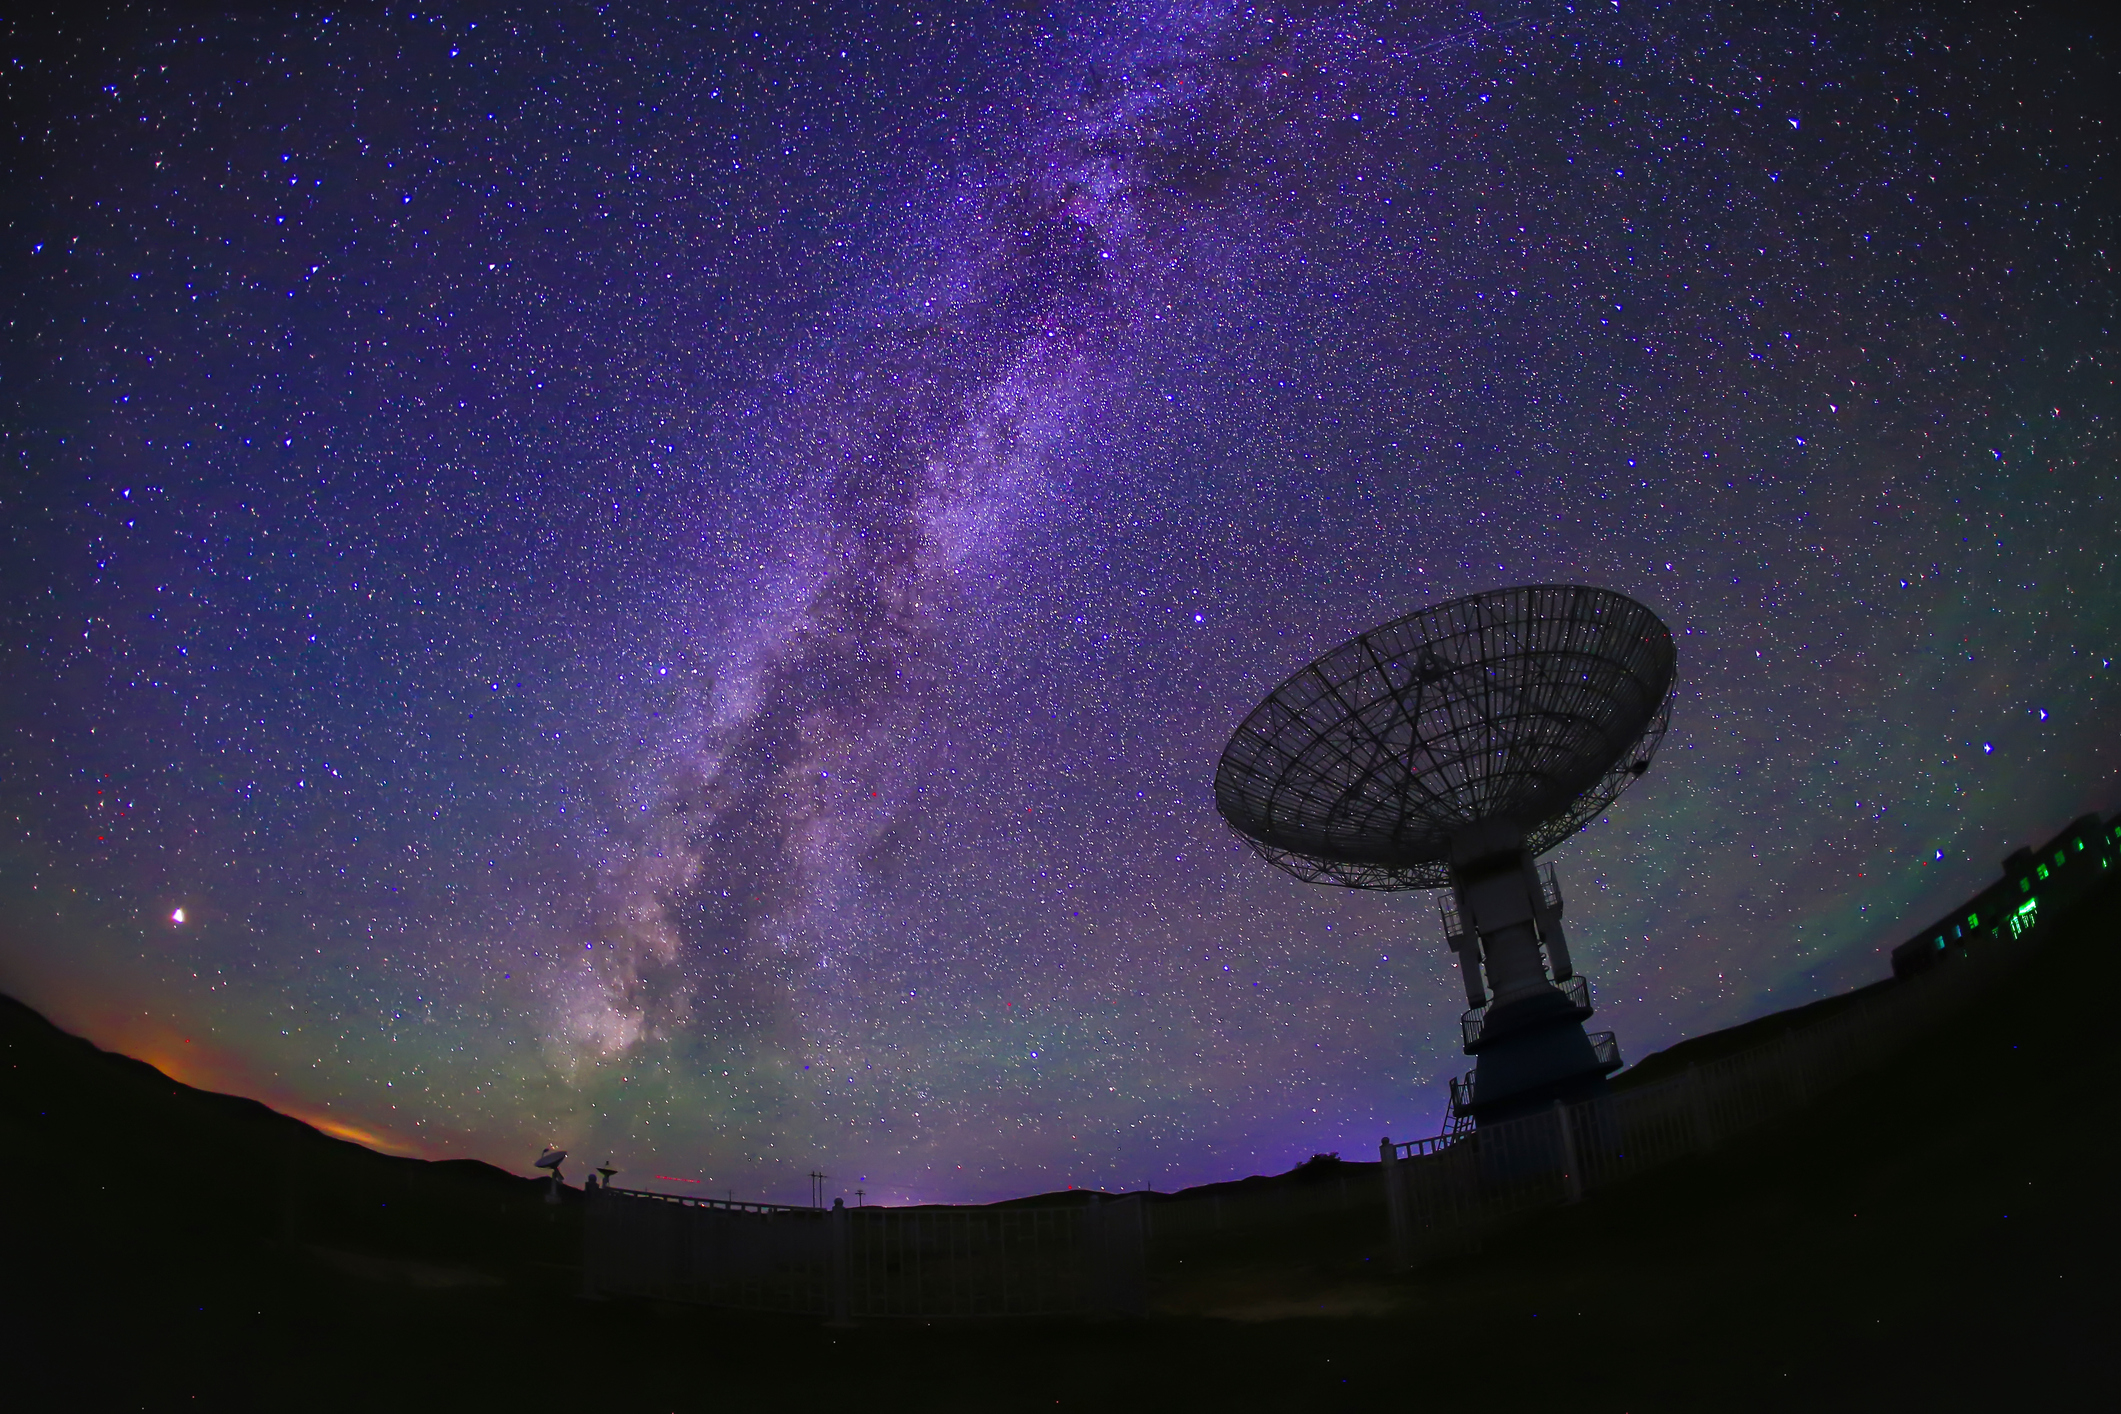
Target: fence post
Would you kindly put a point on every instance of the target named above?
(1571, 1175)
(590, 1246)
(1395, 1200)
(837, 1240)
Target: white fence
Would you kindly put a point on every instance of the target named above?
(857, 1263)
(1440, 1195)
(1088, 1258)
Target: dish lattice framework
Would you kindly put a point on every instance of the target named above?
(1536, 706)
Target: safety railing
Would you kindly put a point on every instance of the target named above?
(1577, 989)
(1422, 1148)
(726, 1205)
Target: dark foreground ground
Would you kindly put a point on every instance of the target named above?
(1937, 1235)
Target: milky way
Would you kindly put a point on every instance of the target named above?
(675, 587)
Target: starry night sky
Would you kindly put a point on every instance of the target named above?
(673, 585)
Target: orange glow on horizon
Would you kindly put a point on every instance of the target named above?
(193, 1076)
(204, 1066)
(353, 1133)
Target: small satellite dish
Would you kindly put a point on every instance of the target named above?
(551, 1158)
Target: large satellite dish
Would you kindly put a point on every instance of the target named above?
(1534, 707)
(1451, 748)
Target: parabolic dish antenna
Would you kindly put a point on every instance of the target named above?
(1451, 748)
(1532, 707)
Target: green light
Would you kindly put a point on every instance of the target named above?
(1973, 920)
(2028, 906)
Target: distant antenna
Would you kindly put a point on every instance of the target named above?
(1451, 748)
(550, 1161)
(817, 1189)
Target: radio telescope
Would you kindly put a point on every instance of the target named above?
(1451, 748)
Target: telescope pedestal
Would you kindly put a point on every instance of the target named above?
(1531, 1046)
(1529, 1069)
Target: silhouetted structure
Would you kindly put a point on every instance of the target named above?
(1451, 748)
(2056, 874)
